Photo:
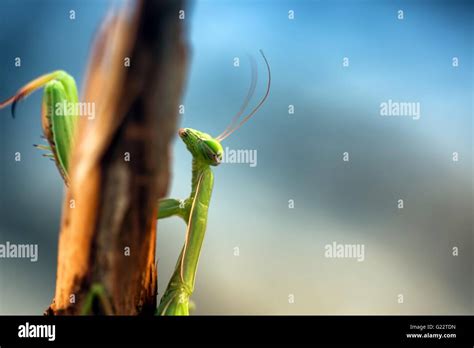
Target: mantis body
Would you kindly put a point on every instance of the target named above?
(207, 152)
(60, 89)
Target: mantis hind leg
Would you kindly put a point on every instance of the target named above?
(96, 301)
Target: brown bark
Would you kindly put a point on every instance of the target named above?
(110, 204)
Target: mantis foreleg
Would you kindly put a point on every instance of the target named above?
(170, 207)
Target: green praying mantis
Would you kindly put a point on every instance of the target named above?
(60, 89)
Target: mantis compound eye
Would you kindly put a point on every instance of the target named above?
(215, 158)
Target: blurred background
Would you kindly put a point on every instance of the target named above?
(280, 267)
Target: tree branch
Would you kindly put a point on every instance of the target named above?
(120, 163)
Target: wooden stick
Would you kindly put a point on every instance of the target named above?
(120, 163)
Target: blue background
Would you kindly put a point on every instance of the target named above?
(407, 251)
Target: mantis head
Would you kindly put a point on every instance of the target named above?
(209, 149)
(202, 146)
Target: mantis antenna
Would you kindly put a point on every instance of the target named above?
(229, 129)
(253, 84)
